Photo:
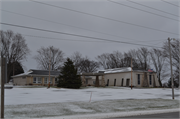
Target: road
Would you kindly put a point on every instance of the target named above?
(170, 115)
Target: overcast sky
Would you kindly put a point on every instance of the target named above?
(97, 7)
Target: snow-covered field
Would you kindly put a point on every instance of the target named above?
(42, 102)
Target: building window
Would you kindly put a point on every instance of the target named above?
(150, 82)
(122, 82)
(46, 80)
(138, 79)
(114, 82)
(37, 80)
(56, 80)
(34, 80)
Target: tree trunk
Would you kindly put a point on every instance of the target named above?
(159, 79)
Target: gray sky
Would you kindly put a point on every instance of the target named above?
(99, 7)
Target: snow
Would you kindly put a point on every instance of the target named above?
(26, 73)
(40, 102)
(115, 70)
(114, 115)
(52, 95)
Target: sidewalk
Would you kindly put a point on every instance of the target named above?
(111, 115)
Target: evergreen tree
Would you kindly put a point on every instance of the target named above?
(14, 68)
(68, 77)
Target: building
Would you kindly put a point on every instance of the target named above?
(122, 77)
(36, 77)
(109, 77)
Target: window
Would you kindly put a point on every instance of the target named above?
(122, 82)
(56, 80)
(150, 80)
(114, 82)
(34, 80)
(46, 80)
(37, 80)
(138, 79)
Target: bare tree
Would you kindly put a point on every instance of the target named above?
(117, 59)
(110, 60)
(103, 60)
(83, 64)
(158, 61)
(88, 65)
(127, 59)
(175, 55)
(143, 57)
(47, 55)
(14, 48)
(76, 58)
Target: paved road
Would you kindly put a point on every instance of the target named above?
(171, 115)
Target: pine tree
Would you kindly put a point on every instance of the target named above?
(68, 77)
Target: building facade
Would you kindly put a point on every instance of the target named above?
(122, 77)
(36, 77)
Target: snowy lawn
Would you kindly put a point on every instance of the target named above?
(42, 102)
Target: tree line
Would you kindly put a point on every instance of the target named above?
(15, 49)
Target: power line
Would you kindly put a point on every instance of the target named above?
(124, 22)
(158, 43)
(170, 3)
(153, 8)
(142, 10)
(75, 40)
(65, 24)
(70, 25)
(77, 35)
(59, 38)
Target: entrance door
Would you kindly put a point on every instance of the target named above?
(108, 82)
(114, 82)
(122, 82)
(127, 82)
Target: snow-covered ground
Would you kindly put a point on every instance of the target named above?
(42, 102)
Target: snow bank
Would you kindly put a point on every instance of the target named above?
(117, 114)
(42, 102)
(32, 95)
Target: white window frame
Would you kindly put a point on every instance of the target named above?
(37, 80)
(47, 78)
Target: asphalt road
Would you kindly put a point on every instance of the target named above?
(171, 115)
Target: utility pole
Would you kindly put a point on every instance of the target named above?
(49, 67)
(172, 81)
(0, 81)
(131, 73)
(3, 78)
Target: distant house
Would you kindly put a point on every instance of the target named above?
(122, 77)
(36, 77)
